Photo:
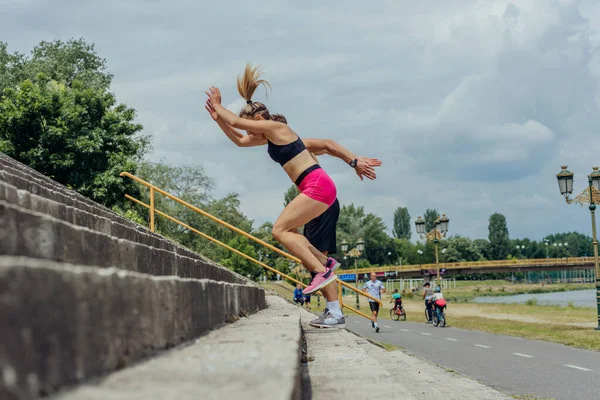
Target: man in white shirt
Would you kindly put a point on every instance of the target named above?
(374, 287)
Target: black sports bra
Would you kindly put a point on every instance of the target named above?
(283, 153)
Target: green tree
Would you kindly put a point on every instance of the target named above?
(430, 216)
(402, 227)
(228, 210)
(483, 246)
(498, 236)
(240, 264)
(577, 245)
(290, 194)
(460, 249)
(189, 182)
(405, 251)
(354, 223)
(58, 116)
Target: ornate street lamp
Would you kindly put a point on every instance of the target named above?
(360, 245)
(595, 178)
(444, 224)
(420, 225)
(591, 196)
(344, 246)
(439, 231)
(565, 181)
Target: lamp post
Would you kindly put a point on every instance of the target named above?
(520, 249)
(439, 231)
(354, 253)
(591, 196)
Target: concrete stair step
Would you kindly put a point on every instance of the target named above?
(80, 217)
(19, 169)
(341, 367)
(255, 358)
(31, 234)
(63, 323)
(26, 190)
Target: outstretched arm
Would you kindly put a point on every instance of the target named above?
(364, 166)
(234, 135)
(263, 126)
(328, 146)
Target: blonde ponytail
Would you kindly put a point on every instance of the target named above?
(246, 86)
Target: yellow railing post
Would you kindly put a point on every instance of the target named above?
(340, 295)
(151, 209)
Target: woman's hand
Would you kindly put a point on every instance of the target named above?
(214, 95)
(211, 110)
(365, 166)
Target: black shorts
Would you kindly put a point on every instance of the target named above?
(374, 306)
(307, 299)
(321, 231)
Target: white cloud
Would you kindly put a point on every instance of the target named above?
(471, 105)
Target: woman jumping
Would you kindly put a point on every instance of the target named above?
(317, 190)
(320, 231)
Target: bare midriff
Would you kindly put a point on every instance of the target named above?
(298, 165)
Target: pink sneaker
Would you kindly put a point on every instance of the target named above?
(332, 264)
(320, 280)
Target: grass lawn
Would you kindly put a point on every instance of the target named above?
(585, 338)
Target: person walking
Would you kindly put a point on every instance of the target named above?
(375, 288)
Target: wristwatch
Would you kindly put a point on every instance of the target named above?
(353, 163)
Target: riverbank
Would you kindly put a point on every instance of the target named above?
(466, 291)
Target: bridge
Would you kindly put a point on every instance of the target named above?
(474, 267)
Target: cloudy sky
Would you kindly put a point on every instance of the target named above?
(472, 105)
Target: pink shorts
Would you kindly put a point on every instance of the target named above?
(316, 184)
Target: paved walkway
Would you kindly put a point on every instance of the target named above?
(342, 366)
(510, 364)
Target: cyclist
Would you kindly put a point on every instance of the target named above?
(298, 295)
(427, 295)
(397, 299)
(438, 302)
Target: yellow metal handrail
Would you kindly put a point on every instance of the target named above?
(154, 211)
(215, 240)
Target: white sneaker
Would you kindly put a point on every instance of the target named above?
(327, 320)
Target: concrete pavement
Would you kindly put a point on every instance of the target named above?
(254, 358)
(510, 364)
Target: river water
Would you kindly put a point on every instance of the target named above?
(579, 298)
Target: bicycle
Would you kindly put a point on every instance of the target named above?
(439, 317)
(398, 313)
(427, 314)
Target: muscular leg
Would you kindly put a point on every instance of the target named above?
(297, 213)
